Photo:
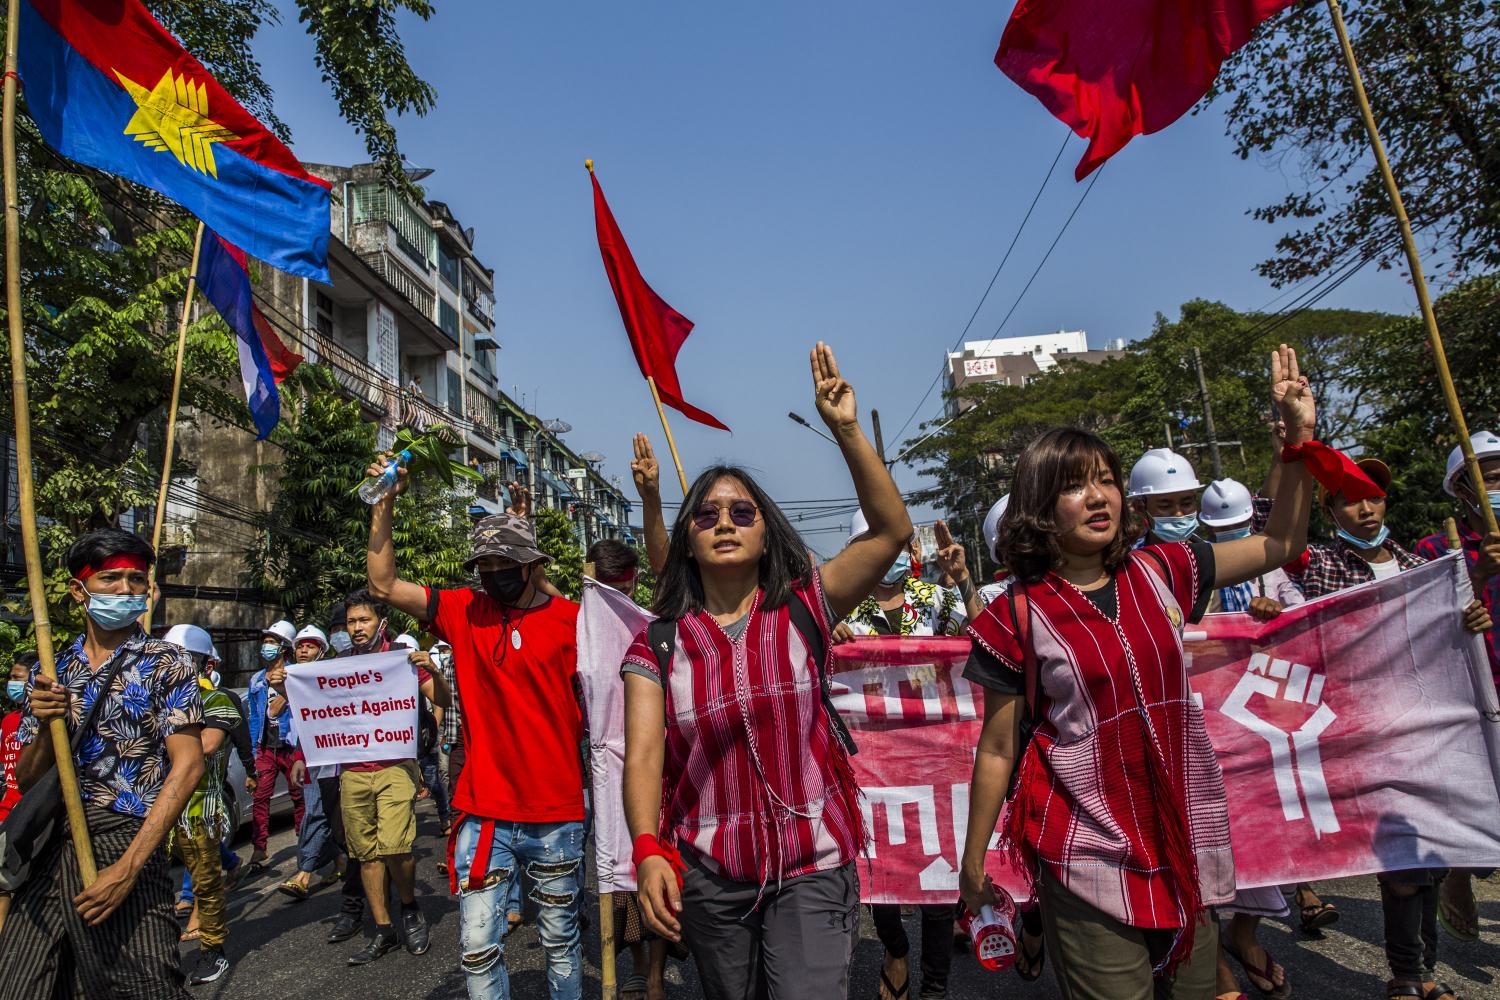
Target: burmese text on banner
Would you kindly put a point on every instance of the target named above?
(355, 709)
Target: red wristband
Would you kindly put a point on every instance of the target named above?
(647, 846)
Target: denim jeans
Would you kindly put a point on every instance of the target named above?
(551, 855)
(432, 777)
(315, 847)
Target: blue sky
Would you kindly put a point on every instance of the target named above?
(788, 172)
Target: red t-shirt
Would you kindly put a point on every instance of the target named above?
(521, 721)
(10, 756)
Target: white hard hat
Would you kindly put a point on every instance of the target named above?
(1486, 445)
(1162, 470)
(406, 639)
(1225, 502)
(992, 525)
(193, 639)
(858, 525)
(213, 654)
(313, 633)
(282, 630)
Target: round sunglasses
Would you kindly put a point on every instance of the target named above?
(741, 512)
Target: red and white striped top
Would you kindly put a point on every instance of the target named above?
(754, 778)
(1120, 732)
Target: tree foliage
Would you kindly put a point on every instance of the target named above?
(556, 538)
(1432, 69)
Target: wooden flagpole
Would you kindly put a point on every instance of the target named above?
(166, 462)
(58, 729)
(1414, 264)
(671, 443)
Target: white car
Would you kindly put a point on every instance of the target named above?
(237, 797)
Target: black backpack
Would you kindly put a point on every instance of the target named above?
(662, 635)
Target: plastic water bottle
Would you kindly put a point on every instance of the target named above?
(993, 931)
(377, 488)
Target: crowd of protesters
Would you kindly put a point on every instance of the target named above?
(1093, 767)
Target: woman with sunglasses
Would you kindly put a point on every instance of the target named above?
(738, 790)
(1118, 809)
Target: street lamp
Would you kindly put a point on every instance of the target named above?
(799, 420)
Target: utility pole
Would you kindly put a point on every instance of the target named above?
(1168, 425)
(1208, 416)
(879, 439)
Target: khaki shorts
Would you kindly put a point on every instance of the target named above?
(380, 810)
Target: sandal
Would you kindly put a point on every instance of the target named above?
(889, 987)
(196, 933)
(1029, 965)
(184, 909)
(1463, 926)
(634, 987)
(291, 887)
(1399, 991)
(1266, 973)
(1440, 990)
(1318, 916)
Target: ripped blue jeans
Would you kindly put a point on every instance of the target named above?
(551, 855)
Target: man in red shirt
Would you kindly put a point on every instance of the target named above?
(519, 799)
(11, 747)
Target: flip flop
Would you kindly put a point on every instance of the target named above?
(1315, 918)
(1264, 973)
(293, 889)
(1440, 990)
(1450, 922)
(191, 935)
(1034, 966)
(890, 987)
(183, 910)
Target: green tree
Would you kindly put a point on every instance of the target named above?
(1432, 69)
(555, 537)
(645, 579)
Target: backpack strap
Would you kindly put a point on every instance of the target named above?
(1020, 613)
(662, 636)
(803, 621)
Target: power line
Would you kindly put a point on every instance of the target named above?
(1067, 135)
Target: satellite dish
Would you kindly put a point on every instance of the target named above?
(592, 457)
(469, 235)
(556, 426)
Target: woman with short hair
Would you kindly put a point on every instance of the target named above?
(1118, 812)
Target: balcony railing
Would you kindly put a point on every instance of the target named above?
(412, 288)
(482, 427)
(472, 306)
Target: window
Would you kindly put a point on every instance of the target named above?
(414, 236)
(455, 393)
(448, 318)
(448, 267)
(323, 315)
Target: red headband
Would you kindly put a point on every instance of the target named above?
(114, 562)
(621, 578)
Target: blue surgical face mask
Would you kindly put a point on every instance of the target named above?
(1232, 534)
(15, 691)
(898, 572)
(270, 651)
(1494, 496)
(341, 642)
(113, 612)
(1360, 543)
(1174, 529)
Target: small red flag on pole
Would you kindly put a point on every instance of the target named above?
(656, 330)
(1114, 70)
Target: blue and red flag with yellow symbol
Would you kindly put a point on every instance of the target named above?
(264, 359)
(109, 87)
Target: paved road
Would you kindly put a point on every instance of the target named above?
(278, 950)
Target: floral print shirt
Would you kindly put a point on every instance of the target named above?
(929, 609)
(123, 763)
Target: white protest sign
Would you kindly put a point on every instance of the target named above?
(355, 709)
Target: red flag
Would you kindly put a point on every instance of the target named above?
(656, 329)
(1117, 69)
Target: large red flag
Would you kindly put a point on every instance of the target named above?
(656, 329)
(1115, 69)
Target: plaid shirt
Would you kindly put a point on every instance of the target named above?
(1119, 730)
(1324, 568)
(1435, 547)
(755, 780)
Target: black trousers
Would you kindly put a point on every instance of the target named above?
(47, 951)
(937, 942)
(797, 943)
(1409, 900)
(353, 887)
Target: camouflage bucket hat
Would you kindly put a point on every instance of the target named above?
(506, 536)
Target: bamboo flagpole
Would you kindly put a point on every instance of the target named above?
(67, 776)
(166, 462)
(666, 427)
(1414, 263)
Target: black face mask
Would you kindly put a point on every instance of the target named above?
(505, 585)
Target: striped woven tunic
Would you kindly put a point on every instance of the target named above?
(1120, 733)
(755, 781)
